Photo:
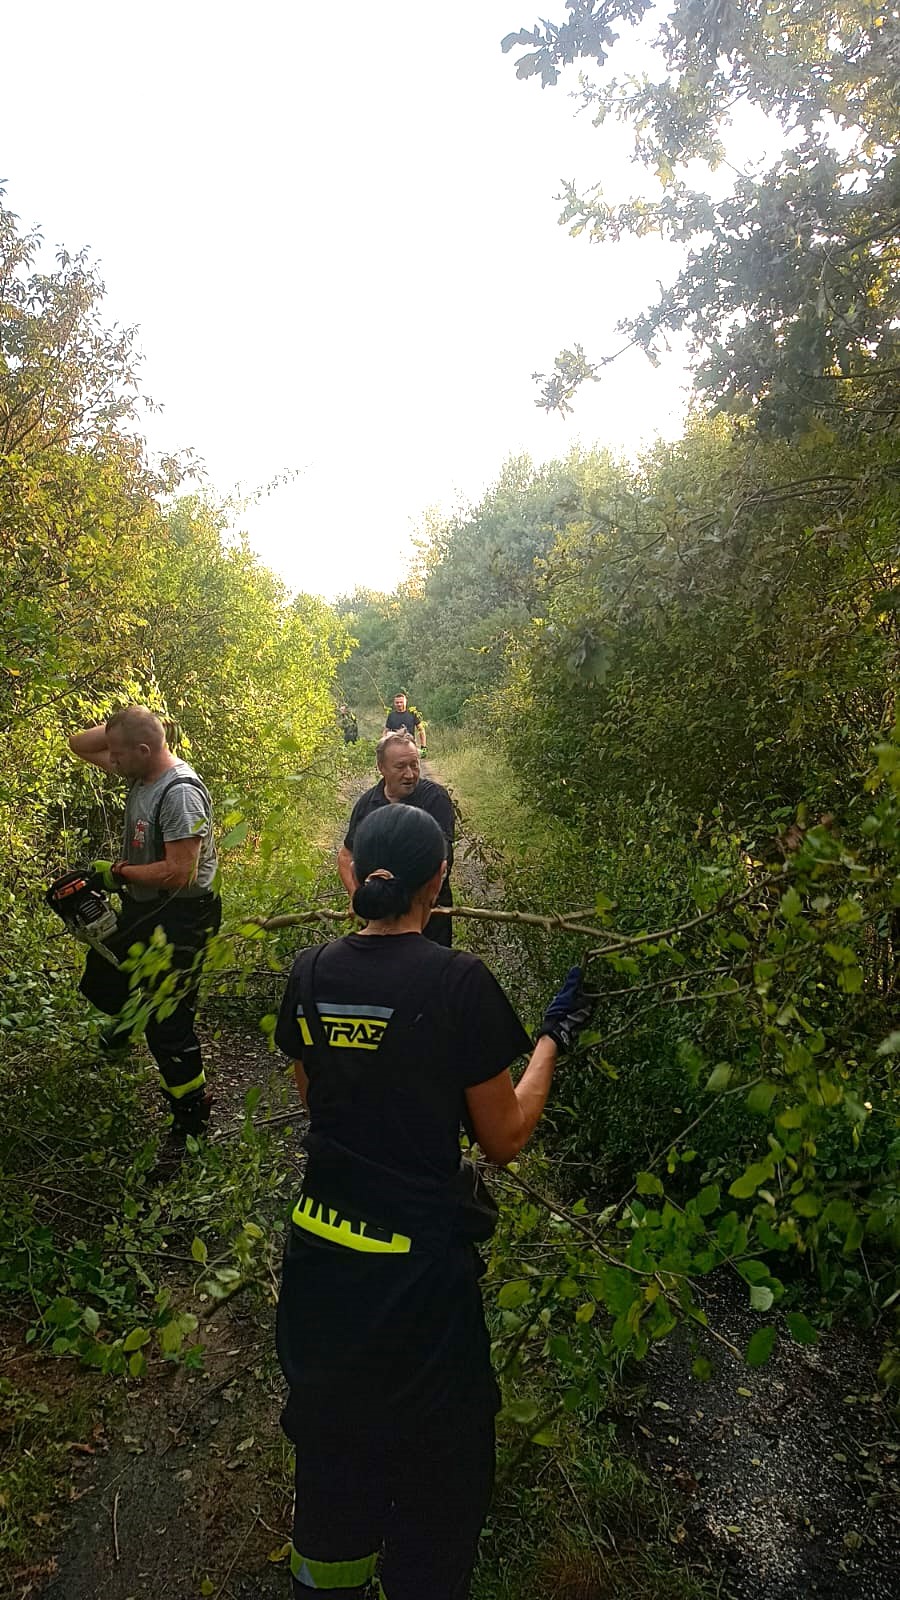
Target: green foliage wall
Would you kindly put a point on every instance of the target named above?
(115, 591)
(475, 586)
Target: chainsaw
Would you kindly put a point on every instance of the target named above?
(85, 910)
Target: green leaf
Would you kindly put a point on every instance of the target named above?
(761, 1296)
(137, 1364)
(170, 1337)
(235, 836)
(701, 1367)
(791, 905)
(760, 1347)
(761, 1096)
(747, 1184)
(807, 1203)
(586, 1311)
(545, 1436)
(719, 1078)
(648, 1183)
(801, 1329)
(199, 1251)
(136, 1338)
(91, 1319)
(854, 1239)
(793, 1116)
(850, 979)
(523, 1411)
(63, 1313)
(708, 1199)
(514, 1294)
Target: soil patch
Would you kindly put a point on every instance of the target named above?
(790, 1473)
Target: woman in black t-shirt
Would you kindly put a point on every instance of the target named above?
(381, 1336)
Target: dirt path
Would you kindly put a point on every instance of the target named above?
(787, 1477)
(187, 1490)
(789, 1474)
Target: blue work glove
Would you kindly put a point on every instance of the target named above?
(567, 1012)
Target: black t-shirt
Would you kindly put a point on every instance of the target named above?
(388, 1339)
(412, 1026)
(396, 720)
(428, 796)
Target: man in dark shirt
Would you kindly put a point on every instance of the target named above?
(400, 784)
(402, 719)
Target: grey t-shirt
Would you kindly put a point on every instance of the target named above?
(184, 812)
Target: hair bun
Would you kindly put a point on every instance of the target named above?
(381, 897)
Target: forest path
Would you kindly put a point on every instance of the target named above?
(186, 1492)
(785, 1477)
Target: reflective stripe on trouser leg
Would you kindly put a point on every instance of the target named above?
(182, 1074)
(332, 1574)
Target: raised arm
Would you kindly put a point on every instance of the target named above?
(505, 1115)
(90, 745)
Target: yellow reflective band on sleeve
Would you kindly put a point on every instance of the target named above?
(327, 1223)
(332, 1574)
(178, 1090)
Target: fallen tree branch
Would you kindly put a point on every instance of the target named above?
(554, 920)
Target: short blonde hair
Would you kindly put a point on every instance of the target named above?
(139, 725)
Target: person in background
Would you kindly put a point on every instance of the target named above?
(349, 724)
(402, 719)
(166, 878)
(401, 784)
(380, 1328)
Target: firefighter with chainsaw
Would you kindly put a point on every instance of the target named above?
(165, 879)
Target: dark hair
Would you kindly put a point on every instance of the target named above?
(403, 841)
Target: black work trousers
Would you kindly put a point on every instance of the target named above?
(188, 925)
(418, 1498)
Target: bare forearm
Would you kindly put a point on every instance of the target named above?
(345, 869)
(156, 875)
(533, 1087)
(302, 1082)
(90, 742)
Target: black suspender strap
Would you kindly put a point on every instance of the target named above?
(311, 1016)
(182, 781)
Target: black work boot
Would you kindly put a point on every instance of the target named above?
(190, 1117)
(113, 1040)
(192, 1113)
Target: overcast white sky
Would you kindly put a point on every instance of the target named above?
(336, 228)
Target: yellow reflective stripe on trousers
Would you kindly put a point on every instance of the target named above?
(178, 1090)
(332, 1574)
(327, 1223)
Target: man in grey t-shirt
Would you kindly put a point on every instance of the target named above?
(166, 877)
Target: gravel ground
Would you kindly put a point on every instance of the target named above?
(790, 1472)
